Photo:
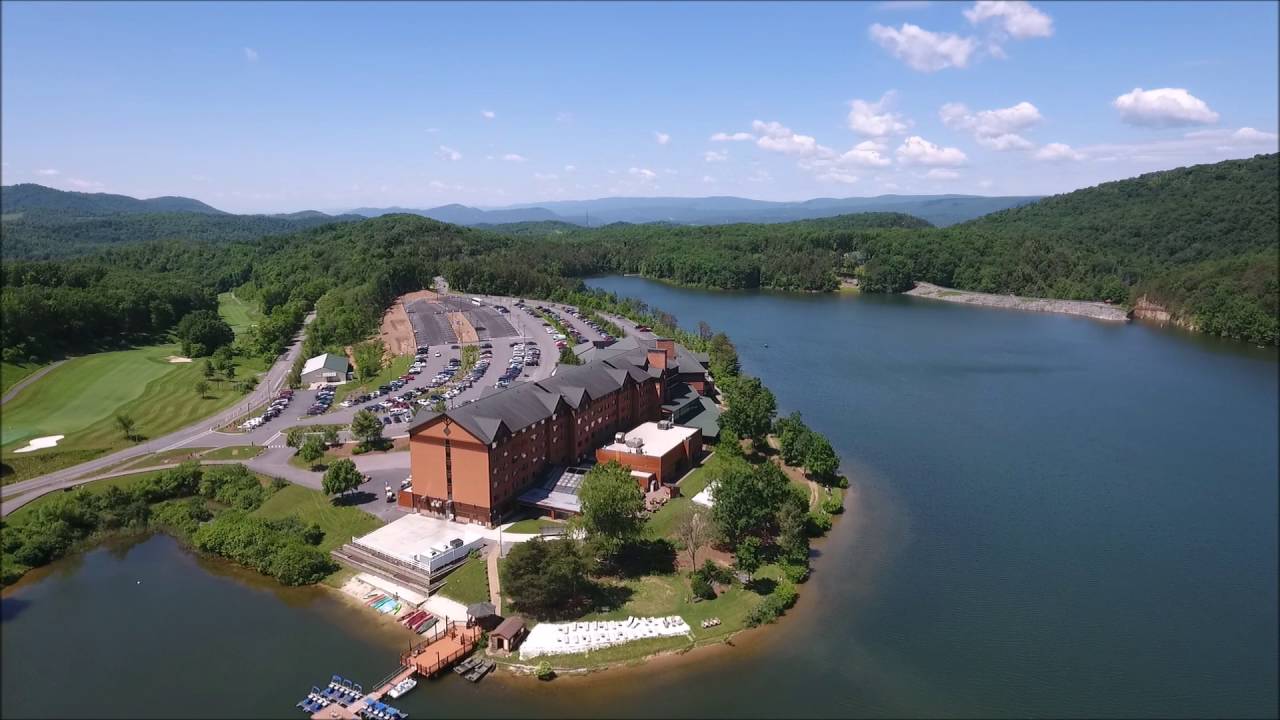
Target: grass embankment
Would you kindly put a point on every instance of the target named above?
(398, 366)
(533, 525)
(234, 452)
(469, 583)
(81, 397)
(470, 355)
(239, 314)
(339, 522)
(13, 373)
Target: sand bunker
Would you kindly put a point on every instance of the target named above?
(39, 443)
(178, 359)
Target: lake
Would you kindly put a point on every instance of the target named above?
(1051, 516)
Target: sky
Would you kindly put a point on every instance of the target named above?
(266, 107)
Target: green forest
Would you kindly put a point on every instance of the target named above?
(1200, 241)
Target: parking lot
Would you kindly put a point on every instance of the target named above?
(522, 327)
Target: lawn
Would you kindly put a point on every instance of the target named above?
(11, 373)
(661, 595)
(533, 525)
(168, 457)
(663, 522)
(238, 313)
(469, 583)
(340, 523)
(234, 452)
(81, 397)
(398, 366)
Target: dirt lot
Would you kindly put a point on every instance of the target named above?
(462, 328)
(396, 332)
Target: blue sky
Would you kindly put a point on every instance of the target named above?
(281, 107)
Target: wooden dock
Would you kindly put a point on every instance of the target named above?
(449, 645)
(437, 653)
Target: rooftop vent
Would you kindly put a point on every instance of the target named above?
(636, 444)
(664, 424)
(620, 437)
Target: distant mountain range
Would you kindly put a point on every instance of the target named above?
(29, 196)
(41, 222)
(940, 210)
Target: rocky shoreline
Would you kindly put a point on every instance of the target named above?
(1089, 309)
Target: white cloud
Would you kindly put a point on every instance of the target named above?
(866, 154)
(760, 176)
(923, 50)
(708, 179)
(564, 118)
(449, 153)
(778, 138)
(732, 137)
(1249, 135)
(712, 156)
(892, 5)
(644, 174)
(85, 184)
(661, 137)
(1055, 152)
(942, 174)
(873, 119)
(570, 168)
(838, 176)
(488, 114)
(432, 130)
(545, 176)
(513, 157)
(990, 122)
(1163, 107)
(984, 184)
(251, 55)
(995, 129)
(48, 172)
(1019, 19)
(915, 150)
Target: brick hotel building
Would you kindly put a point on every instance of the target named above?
(473, 462)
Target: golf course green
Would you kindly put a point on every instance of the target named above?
(81, 397)
(238, 313)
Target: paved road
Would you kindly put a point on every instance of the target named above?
(27, 381)
(198, 434)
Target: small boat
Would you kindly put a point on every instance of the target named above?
(766, 344)
(465, 666)
(402, 687)
(480, 670)
(430, 623)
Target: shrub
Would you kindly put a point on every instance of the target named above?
(796, 573)
(701, 587)
(833, 502)
(819, 523)
(544, 671)
(298, 564)
(181, 516)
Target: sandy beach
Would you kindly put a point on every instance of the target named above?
(1089, 309)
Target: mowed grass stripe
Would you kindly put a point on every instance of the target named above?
(82, 391)
(238, 313)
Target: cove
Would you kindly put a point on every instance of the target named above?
(1050, 517)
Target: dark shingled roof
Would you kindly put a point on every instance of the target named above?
(524, 404)
(509, 628)
(634, 350)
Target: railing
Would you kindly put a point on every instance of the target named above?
(388, 558)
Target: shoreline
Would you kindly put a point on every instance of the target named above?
(1081, 308)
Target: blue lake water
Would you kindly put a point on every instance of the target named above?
(1051, 516)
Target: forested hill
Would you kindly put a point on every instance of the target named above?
(29, 196)
(1201, 241)
(44, 223)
